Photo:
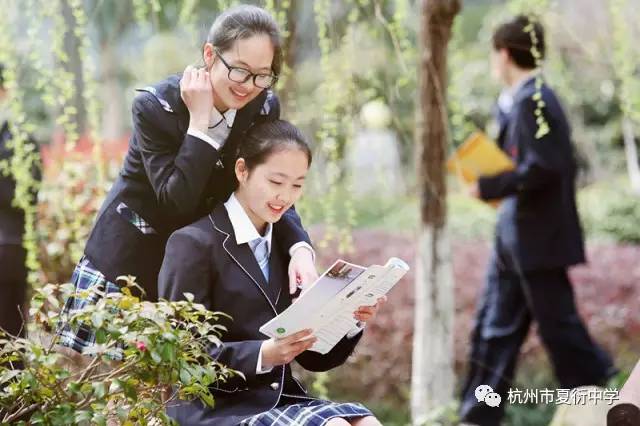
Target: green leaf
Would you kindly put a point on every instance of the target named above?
(97, 318)
(99, 419)
(168, 354)
(83, 416)
(189, 297)
(37, 418)
(130, 391)
(122, 413)
(185, 376)
(99, 389)
(8, 375)
(115, 386)
(169, 336)
(207, 398)
(101, 336)
(74, 387)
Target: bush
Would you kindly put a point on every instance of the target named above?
(68, 201)
(162, 344)
(611, 211)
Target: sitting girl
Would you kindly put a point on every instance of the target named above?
(232, 262)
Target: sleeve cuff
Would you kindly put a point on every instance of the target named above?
(356, 330)
(259, 369)
(305, 245)
(204, 137)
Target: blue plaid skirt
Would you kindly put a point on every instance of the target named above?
(86, 278)
(312, 412)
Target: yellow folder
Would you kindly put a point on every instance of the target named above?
(478, 156)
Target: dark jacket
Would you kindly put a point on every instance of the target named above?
(11, 218)
(168, 180)
(204, 259)
(538, 220)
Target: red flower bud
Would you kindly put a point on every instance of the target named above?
(141, 346)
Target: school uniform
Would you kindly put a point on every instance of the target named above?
(13, 270)
(228, 267)
(172, 175)
(13, 278)
(538, 236)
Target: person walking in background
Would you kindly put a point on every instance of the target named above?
(538, 236)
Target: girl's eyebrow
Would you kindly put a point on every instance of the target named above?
(286, 175)
(243, 63)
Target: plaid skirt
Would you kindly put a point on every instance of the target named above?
(312, 412)
(86, 278)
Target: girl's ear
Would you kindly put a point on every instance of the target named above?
(242, 172)
(208, 55)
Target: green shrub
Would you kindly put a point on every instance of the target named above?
(71, 194)
(610, 211)
(162, 344)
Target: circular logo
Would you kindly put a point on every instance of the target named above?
(280, 330)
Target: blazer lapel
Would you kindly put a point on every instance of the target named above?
(240, 253)
(509, 143)
(504, 118)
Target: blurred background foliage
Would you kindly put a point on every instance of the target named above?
(349, 76)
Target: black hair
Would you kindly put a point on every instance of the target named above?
(512, 36)
(270, 137)
(1, 75)
(244, 21)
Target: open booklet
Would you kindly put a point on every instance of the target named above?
(327, 306)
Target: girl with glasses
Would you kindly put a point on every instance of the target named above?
(186, 129)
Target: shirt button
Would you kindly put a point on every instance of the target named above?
(275, 385)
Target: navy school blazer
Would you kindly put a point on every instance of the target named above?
(11, 217)
(204, 259)
(168, 180)
(538, 220)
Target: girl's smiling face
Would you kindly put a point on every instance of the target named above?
(254, 54)
(269, 189)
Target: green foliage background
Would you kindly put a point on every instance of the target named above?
(72, 65)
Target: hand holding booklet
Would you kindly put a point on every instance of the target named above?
(327, 306)
(478, 156)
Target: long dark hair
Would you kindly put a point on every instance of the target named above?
(270, 137)
(244, 21)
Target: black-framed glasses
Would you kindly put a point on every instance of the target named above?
(242, 75)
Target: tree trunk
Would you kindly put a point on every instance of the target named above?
(432, 371)
(631, 154)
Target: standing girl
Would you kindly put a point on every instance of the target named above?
(232, 261)
(179, 164)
